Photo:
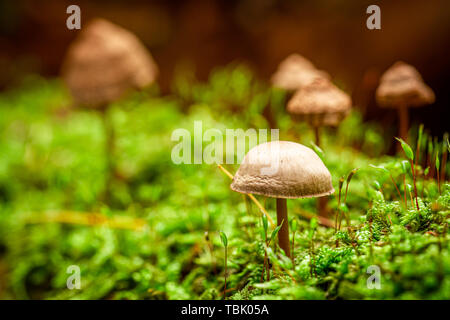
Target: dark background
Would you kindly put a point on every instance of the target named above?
(206, 33)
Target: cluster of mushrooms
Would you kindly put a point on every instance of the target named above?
(106, 61)
(315, 99)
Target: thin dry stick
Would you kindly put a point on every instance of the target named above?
(88, 219)
(251, 197)
(321, 220)
(411, 197)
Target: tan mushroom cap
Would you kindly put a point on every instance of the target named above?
(104, 62)
(295, 72)
(296, 61)
(402, 85)
(320, 103)
(283, 169)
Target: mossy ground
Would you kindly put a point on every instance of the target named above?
(52, 159)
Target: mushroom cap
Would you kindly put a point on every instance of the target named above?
(296, 79)
(104, 62)
(283, 169)
(296, 61)
(296, 71)
(402, 85)
(320, 103)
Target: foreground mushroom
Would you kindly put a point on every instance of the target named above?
(296, 72)
(104, 62)
(320, 103)
(402, 87)
(283, 170)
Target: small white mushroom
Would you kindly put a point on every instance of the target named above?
(282, 170)
(320, 103)
(402, 87)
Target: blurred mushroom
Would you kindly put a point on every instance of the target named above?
(296, 60)
(283, 170)
(101, 65)
(296, 72)
(320, 103)
(104, 62)
(402, 87)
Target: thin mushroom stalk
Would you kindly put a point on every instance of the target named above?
(320, 103)
(402, 87)
(282, 219)
(317, 135)
(403, 116)
(109, 147)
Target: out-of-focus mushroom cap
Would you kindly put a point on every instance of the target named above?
(283, 169)
(402, 86)
(296, 61)
(320, 103)
(292, 80)
(295, 72)
(104, 62)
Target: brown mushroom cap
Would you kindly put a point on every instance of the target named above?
(299, 172)
(320, 103)
(295, 72)
(296, 61)
(402, 85)
(104, 62)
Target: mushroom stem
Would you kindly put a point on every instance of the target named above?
(404, 122)
(252, 197)
(322, 203)
(283, 234)
(317, 135)
(109, 151)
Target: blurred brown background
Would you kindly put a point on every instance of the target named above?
(207, 33)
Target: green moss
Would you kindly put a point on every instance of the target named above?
(52, 159)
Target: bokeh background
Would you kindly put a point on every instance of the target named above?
(204, 34)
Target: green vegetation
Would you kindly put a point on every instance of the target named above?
(159, 236)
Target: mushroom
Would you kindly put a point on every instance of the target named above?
(402, 87)
(296, 72)
(104, 62)
(283, 170)
(320, 103)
